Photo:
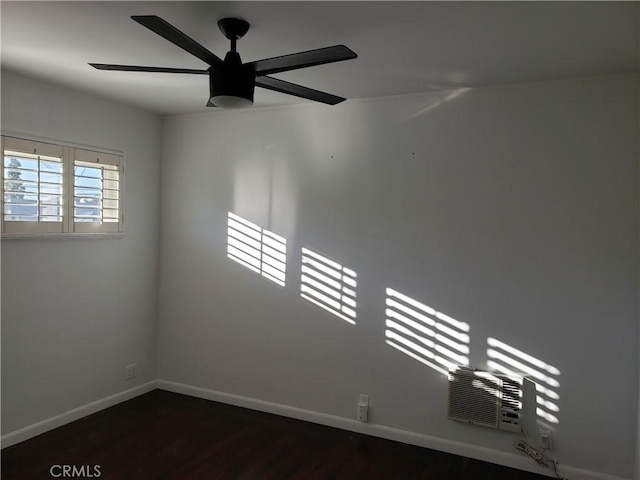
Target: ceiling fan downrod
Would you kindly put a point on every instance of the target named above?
(234, 29)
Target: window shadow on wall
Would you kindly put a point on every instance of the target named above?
(329, 285)
(257, 249)
(506, 359)
(424, 334)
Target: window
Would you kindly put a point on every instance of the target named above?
(33, 175)
(258, 249)
(55, 189)
(96, 191)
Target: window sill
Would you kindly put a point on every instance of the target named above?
(58, 236)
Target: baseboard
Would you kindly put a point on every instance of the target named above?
(513, 460)
(31, 431)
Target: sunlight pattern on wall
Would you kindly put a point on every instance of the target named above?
(329, 285)
(257, 249)
(421, 332)
(506, 359)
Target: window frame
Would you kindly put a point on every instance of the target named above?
(69, 154)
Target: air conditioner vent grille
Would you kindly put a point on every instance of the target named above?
(511, 394)
(483, 398)
(473, 399)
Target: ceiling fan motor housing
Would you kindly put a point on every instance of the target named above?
(233, 80)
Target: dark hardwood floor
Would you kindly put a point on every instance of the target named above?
(163, 435)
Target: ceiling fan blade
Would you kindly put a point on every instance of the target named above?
(281, 86)
(136, 68)
(175, 36)
(309, 58)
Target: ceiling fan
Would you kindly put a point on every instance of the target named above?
(231, 82)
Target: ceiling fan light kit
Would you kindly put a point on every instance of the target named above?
(231, 82)
(233, 85)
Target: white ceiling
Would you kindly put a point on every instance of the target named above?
(402, 47)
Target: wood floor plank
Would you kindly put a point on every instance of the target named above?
(163, 435)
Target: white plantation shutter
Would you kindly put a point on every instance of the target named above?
(97, 192)
(32, 187)
(55, 189)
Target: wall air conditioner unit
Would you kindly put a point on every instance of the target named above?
(484, 398)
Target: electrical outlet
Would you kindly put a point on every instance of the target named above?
(131, 371)
(544, 439)
(363, 412)
(363, 408)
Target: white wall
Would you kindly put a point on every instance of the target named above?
(75, 312)
(513, 209)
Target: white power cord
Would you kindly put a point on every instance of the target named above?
(538, 455)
